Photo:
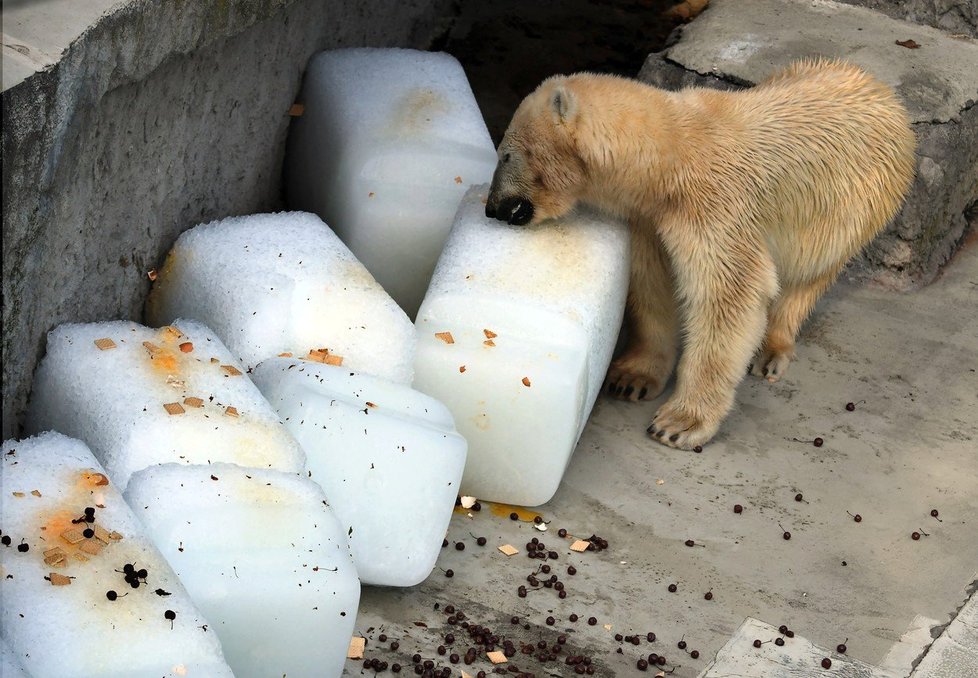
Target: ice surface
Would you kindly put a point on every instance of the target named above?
(114, 399)
(387, 144)
(283, 283)
(533, 314)
(74, 629)
(388, 458)
(264, 558)
(10, 666)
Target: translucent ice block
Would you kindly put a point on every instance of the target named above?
(387, 144)
(139, 396)
(10, 666)
(283, 283)
(55, 602)
(515, 336)
(387, 456)
(264, 558)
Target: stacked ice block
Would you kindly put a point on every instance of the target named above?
(140, 397)
(387, 144)
(387, 456)
(68, 606)
(263, 556)
(283, 283)
(515, 335)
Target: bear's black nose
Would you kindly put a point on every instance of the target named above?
(513, 210)
(490, 210)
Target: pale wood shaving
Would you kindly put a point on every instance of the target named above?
(458, 180)
(172, 332)
(102, 534)
(91, 547)
(509, 549)
(333, 359)
(489, 342)
(173, 408)
(231, 370)
(285, 355)
(73, 535)
(296, 110)
(18, 494)
(355, 651)
(58, 579)
(446, 337)
(104, 344)
(115, 536)
(152, 275)
(187, 347)
(497, 657)
(490, 334)
(526, 381)
(461, 368)
(80, 558)
(36, 493)
(231, 411)
(580, 546)
(151, 347)
(193, 401)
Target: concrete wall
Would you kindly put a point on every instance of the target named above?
(161, 115)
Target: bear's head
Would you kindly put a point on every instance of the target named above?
(539, 174)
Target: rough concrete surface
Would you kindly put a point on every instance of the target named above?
(159, 116)
(955, 653)
(740, 42)
(953, 16)
(907, 361)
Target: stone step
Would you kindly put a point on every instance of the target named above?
(738, 43)
(955, 652)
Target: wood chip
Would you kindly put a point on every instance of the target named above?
(446, 337)
(231, 411)
(909, 44)
(102, 534)
(489, 342)
(193, 401)
(172, 332)
(173, 408)
(115, 536)
(509, 550)
(58, 579)
(80, 558)
(55, 551)
(607, 627)
(91, 547)
(458, 180)
(215, 360)
(490, 334)
(461, 368)
(18, 494)
(497, 657)
(355, 650)
(526, 381)
(187, 347)
(333, 359)
(231, 370)
(151, 347)
(284, 355)
(370, 404)
(99, 479)
(580, 546)
(73, 535)
(296, 110)
(36, 493)
(152, 274)
(104, 344)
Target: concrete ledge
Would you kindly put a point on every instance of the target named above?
(158, 116)
(738, 43)
(955, 652)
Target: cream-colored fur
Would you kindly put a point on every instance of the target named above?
(743, 207)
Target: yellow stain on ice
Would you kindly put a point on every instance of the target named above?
(505, 510)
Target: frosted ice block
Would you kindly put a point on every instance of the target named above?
(264, 558)
(67, 604)
(283, 283)
(10, 666)
(139, 396)
(387, 144)
(388, 458)
(515, 336)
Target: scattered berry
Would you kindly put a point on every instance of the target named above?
(757, 643)
(449, 573)
(695, 654)
(673, 588)
(592, 621)
(738, 508)
(23, 547)
(698, 449)
(826, 663)
(779, 641)
(690, 542)
(915, 535)
(481, 541)
(170, 614)
(514, 516)
(818, 442)
(642, 665)
(111, 595)
(841, 647)
(708, 595)
(799, 497)
(459, 546)
(851, 407)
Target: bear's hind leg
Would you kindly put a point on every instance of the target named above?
(644, 368)
(785, 317)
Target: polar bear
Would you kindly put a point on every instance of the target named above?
(743, 207)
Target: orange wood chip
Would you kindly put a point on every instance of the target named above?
(36, 493)
(458, 180)
(98, 478)
(91, 547)
(152, 274)
(151, 347)
(173, 408)
(102, 534)
(187, 346)
(490, 334)
(446, 337)
(509, 550)
(580, 546)
(296, 110)
(193, 401)
(231, 370)
(215, 360)
(231, 411)
(355, 651)
(80, 558)
(332, 359)
(488, 342)
(18, 494)
(73, 535)
(370, 404)
(284, 355)
(526, 381)
(497, 657)
(56, 551)
(58, 579)
(115, 536)
(104, 344)
(318, 355)
(461, 368)
(172, 332)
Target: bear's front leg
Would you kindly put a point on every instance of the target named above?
(724, 279)
(644, 368)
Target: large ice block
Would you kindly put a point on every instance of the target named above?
(515, 336)
(264, 558)
(10, 666)
(387, 144)
(388, 458)
(283, 283)
(67, 605)
(141, 396)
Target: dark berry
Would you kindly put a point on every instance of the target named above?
(395, 645)
(858, 518)
(786, 535)
(799, 497)
(23, 548)
(111, 595)
(619, 637)
(537, 520)
(841, 648)
(170, 614)
(459, 546)
(673, 588)
(757, 643)
(738, 508)
(915, 535)
(690, 542)
(779, 641)
(481, 541)
(449, 573)
(514, 516)
(790, 633)
(395, 668)
(89, 511)
(142, 574)
(592, 621)
(571, 570)
(441, 649)
(681, 644)
(826, 663)
(650, 637)
(444, 543)
(551, 621)
(695, 654)
(642, 665)
(5, 540)
(698, 449)
(782, 629)
(561, 533)
(818, 442)
(708, 595)
(850, 407)
(573, 617)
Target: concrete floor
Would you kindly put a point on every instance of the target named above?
(909, 362)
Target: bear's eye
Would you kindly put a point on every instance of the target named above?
(505, 157)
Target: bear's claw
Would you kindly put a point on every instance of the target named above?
(771, 365)
(675, 426)
(634, 380)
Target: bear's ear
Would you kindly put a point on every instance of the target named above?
(563, 103)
